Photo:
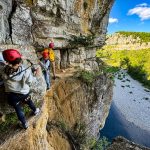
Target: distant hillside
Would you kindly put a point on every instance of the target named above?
(143, 36)
(129, 50)
(128, 40)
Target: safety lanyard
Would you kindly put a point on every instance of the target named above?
(21, 70)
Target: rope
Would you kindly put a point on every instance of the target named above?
(22, 70)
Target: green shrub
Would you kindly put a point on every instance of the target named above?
(63, 125)
(111, 69)
(100, 144)
(81, 40)
(79, 133)
(87, 76)
(10, 120)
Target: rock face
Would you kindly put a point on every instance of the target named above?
(21, 24)
(27, 25)
(121, 143)
(87, 104)
(82, 57)
(5, 10)
(31, 21)
(36, 22)
(70, 102)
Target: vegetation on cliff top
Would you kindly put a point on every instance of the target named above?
(144, 36)
(87, 76)
(135, 61)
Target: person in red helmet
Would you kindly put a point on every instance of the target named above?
(45, 65)
(10, 55)
(51, 45)
(51, 54)
(17, 80)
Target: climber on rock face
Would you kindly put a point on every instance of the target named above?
(17, 80)
(45, 65)
(48, 60)
(51, 54)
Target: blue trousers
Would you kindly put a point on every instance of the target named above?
(15, 99)
(47, 78)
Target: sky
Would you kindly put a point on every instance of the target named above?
(130, 15)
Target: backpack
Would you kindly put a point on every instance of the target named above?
(51, 53)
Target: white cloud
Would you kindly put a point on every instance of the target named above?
(143, 4)
(113, 20)
(142, 10)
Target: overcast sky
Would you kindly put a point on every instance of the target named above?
(130, 15)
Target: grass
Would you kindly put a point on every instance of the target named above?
(10, 120)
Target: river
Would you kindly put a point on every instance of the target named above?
(129, 114)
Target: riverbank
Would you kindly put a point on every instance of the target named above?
(132, 100)
(117, 125)
(129, 112)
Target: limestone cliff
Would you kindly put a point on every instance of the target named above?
(37, 21)
(28, 25)
(70, 101)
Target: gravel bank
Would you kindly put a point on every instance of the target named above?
(132, 100)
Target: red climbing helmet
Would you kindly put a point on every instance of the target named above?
(45, 55)
(10, 55)
(51, 45)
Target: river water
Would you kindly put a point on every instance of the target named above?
(117, 125)
(129, 114)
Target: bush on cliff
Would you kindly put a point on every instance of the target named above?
(88, 77)
(81, 40)
(100, 144)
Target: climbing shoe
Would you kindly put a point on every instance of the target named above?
(25, 125)
(37, 111)
(48, 88)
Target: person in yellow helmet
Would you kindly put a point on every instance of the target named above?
(51, 54)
